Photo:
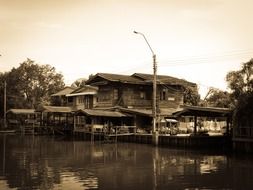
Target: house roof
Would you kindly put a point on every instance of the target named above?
(21, 111)
(85, 90)
(103, 113)
(64, 91)
(163, 79)
(148, 112)
(138, 78)
(203, 111)
(55, 109)
(115, 78)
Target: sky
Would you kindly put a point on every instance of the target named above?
(197, 40)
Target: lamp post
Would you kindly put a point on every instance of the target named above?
(154, 111)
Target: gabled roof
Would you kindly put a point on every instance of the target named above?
(21, 111)
(85, 90)
(64, 91)
(138, 78)
(55, 109)
(114, 78)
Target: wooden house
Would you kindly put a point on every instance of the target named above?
(132, 94)
(135, 91)
(60, 116)
(22, 120)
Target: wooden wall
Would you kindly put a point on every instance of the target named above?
(137, 96)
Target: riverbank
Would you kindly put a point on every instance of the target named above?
(210, 142)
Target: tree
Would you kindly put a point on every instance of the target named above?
(241, 81)
(219, 98)
(31, 84)
(79, 83)
(241, 85)
(191, 96)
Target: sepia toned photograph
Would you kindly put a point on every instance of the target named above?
(126, 94)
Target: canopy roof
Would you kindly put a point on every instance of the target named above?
(21, 111)
(55, 109)
(203, 111)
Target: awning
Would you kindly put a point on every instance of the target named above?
(203, 111)
(102, 113)
(54, 109)
(21, 111)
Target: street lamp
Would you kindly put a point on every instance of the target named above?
(155, 139)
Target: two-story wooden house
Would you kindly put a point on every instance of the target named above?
(132, 95)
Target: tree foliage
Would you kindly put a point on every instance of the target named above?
(79, 83)
(31, 84)
(241, 81)
(219, 98)
(241, 85)
(191, 96)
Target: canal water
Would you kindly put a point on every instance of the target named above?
(41, 162)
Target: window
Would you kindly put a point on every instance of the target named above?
(80, 99)
(163, 94)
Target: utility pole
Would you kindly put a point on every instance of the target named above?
(154, 110)
(154, 94)
(5, 104)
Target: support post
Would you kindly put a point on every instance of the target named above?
(227, 127)
(195, 125)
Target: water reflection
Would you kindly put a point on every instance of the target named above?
(49, 163)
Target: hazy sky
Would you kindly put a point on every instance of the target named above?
(198, 40)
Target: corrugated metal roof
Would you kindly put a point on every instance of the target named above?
(21, 111)
(64, 91)
(55, 109)
(102, 113)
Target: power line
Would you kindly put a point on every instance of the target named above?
(205, 58)
(194, 60)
